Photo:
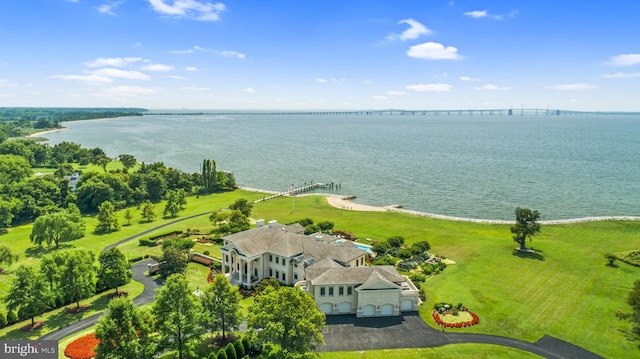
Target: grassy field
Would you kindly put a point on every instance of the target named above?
(467, 351)
(566, 290)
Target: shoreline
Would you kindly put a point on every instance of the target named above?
(341, 202)
(41, 133)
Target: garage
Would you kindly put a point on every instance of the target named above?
(406, 305)
(326, 308)
(386, 309)
(368, 310)
(344, 307)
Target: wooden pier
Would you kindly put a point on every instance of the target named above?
(298, 190)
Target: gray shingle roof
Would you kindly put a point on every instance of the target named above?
(352, 275)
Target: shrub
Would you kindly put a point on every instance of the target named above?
(239, 348)
(231, 351)
(212, 355)
(12, 317)
(417, 277)
(407, 265)
(384, 260)
(148, 242)
(222, 354)
(422, 294)
(206, 253)
(3, 320)
(395, 241)
(246, 344)
(82, 348)
(216, 265)
(404, 253)
(135, 259)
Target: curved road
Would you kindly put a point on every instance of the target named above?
(348, 333)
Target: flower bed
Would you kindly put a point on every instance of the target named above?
(82, 348)
(462, 320)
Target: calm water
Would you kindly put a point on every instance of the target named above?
(468, 166)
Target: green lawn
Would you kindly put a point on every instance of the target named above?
(467, 351)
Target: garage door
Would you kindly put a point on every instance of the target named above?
(386, 309)
(407, 304)
(326, 308)
(344, 307)
(369, 310)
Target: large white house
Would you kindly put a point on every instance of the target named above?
(331, 269)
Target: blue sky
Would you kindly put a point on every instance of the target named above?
(331, 54)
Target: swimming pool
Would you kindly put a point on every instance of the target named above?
(359, 245)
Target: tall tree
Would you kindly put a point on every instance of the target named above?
(242, 205)
(173, 261)
(128, 161)
(6, 214)
(288, 317)
(13, 168)
(526, 226)
(107, 218)
(209, 178)
(221, 302)
(148, 211)
(178, 313)
(128, 216)
(29, 294)
(125, 331)
(51, 267)
(77, 277)
(182, 197)
(55, 228)
(6, 256)
(172, 207)
(114, 268)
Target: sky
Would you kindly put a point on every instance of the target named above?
(321, 55)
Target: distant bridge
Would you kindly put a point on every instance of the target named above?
(479, 112)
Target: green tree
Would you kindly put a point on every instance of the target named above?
(114, 268)
(102, 161)
(231, 351)
(6, 214)
(526, 226)
(55, 228)
(128, 161)
(267, 282)
(288, 317)
(173, 261)
(381, 248)
(209, 178)
(78, 276)
(633, 299)
(172, 207)
(125, 331)
(325, 226)
(242, 205)
(28, 293)
(13, 169)
(182, 197)
(221, 302)
(148, 211)
(128, 216)
(178, 313)
(238, 222)
(6, 256)
(420, 247)
(107, 218)
(395, 241)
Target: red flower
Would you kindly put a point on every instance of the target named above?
(82, 348)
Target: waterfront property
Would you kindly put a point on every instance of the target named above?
(332, 270)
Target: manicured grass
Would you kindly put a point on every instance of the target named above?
(472, 351)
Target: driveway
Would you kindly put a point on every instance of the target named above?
(348, 333)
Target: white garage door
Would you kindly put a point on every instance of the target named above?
(326, 308)
(344, 307)
(407, 304)
(369, 310)
(386, 309)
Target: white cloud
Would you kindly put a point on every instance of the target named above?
(193, 88)
(113, 61)
(339, 80)
(178, 77)
(490, 87)
(467, 78)
(571, 87)
(321, 80)
(438, 87)
(7, 83)
(180, 52)
(625, 60)
(433, 51)
(157, 67)
(619, 75)
(108, 7)
(484, 13)
(413, 32)
(397, 93)
(191, 68)
(109, 72)
(477, 13)
(380, 97)
(193, 9)
(129, 90)
(90, 79)
(228, 53)
(249, 89)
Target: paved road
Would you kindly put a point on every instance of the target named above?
(346, 332)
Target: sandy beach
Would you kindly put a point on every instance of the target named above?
(341, 202)
(42, 133)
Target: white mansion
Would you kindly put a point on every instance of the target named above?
(331, 269)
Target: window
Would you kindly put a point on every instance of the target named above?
(322, 291)
(270, 272)
(255, 272)
(340, 290)
(284, 279)
(277, 260)
(349, 292)
(330, 290)
(270, 258)
(295, 276)
(277, 275)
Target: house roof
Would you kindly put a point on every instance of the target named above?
(287, 241)
(353, 275)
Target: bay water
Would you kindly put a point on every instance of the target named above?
(473, 166)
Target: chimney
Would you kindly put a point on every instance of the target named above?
(260, 223)
(272, 223)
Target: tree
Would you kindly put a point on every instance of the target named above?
(6, 256)
(182, 197)
(381, 248)
(13, 169)
(395, 241)
(172, 207)
(173, 261)
(420, 247)
(102, 161)
(221, 302)
(611, 259)
(209, 175)
(288, 317)
(178, 313)
(128, 216)
(242, 205)
(114, 268)
(28, 294)
(127, 161)
(526, 226)
(633, 299)
(125, 331)
(55, 228)
(148, 211)
(325, 226)
(6, 214)
(107, 218)
(77, 276)
(238, 222)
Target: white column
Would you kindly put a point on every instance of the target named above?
(249, 272)
(223, 263)
(240, 271)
